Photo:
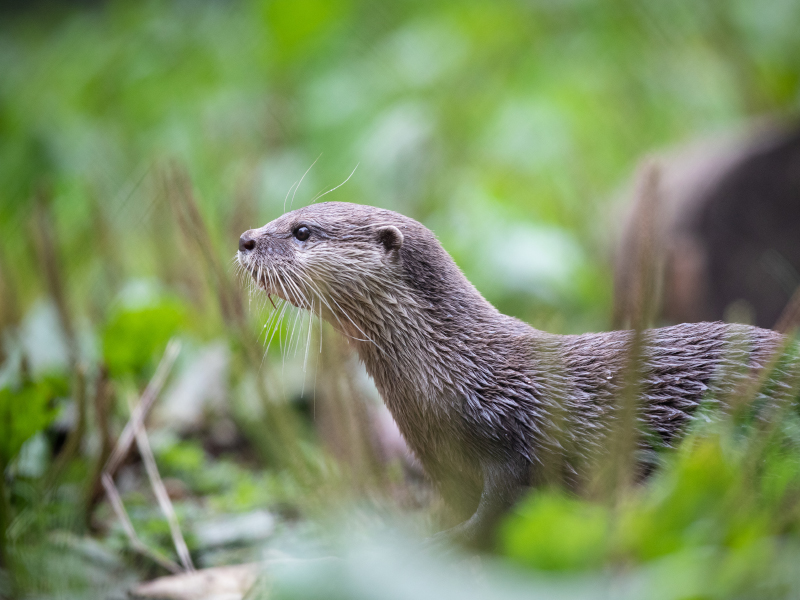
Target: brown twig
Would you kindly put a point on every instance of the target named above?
(9, 311)
(137, 544)
(624, 435)
(47, 247)
(146, 452)
(141, 410)
(5, 517)
(102, 405)
(73, 444)
(135, 430)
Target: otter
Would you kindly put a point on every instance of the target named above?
(483, 399)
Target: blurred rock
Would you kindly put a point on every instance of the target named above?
(43, 340)
(176, 489)
(89, 548)
(33, 457)
(235, 529)
(199, 391)
(725, 229)
(218, 583)
(224, 434)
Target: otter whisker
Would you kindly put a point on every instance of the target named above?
(287, 195)
(276, 326)
(281, 343)
(312, 285)
(301, 295)
(308, 337)
(274, 313)
(239, 270)
(276, 318)
(285, 282)
(274, 323)
(337, 187)
(357, 327)
(283, 288)
(270, 281)
(300, 336)
(308, 345)
(302, 301)
(295, 347)
(268, 326)
(330, 308)
(290, 337)
(316, 292)
(320, 329)
(298, 313)
(301, 181)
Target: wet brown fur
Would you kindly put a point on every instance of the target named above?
(482, 398)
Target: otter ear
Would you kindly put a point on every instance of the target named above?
(390, 236)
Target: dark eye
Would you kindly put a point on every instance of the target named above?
(302, 233)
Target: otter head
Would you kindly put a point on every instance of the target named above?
(337, 258)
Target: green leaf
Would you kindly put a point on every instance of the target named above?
(135, 337)
(26, 411)
(553, 532)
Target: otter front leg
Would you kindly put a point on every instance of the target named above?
(503, 484)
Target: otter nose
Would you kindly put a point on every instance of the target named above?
(246, 242)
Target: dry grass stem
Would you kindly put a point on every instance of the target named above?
(624, 434)
(162, 496)
(137, 544)
(135, 430)
(141, 410)
(282, 445)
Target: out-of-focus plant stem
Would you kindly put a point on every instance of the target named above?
(281, 441)
(8, 301)
(102, 406)
(46, 242)
(51, 269)
(73, 444)
(4, 517)
(624, 437)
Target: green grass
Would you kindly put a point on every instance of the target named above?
(138, 140)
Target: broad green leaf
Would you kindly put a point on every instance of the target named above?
(135, 337)
(26, 411)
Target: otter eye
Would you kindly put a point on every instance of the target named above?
(302, 233)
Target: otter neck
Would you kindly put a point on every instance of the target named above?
(420, 349)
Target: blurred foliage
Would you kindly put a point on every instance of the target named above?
(554, 532)
(502, 125)
(730, 518)
(133, 337)
(507, 127)
(27, 410)
(713, 523)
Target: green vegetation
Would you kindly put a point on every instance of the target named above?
(139, 139)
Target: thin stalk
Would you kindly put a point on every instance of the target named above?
(5, 518)
(281, 441)
(146, 452)
(102, 406)
(624, 434)
(75, 439)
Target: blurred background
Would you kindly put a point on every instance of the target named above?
(139, 139)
